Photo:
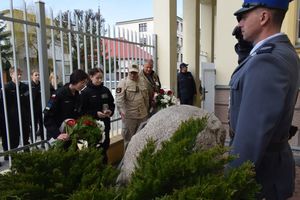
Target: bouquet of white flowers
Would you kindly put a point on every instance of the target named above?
(165, 98)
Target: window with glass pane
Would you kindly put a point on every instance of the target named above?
(143, 27)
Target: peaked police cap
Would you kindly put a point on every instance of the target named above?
(251, 4)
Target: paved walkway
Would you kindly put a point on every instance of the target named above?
(296, 195)
(297, 189)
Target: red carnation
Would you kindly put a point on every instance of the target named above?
(161, 91)
(169, 93)
(71, 122)
(88, 123)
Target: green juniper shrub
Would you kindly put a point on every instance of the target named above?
(220, 187)
(97, 194)
(55, 174)
(178, 171)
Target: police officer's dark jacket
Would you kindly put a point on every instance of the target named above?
(36, 97)
(62, 105)
(93, 97)
(263, 94)
(186, 85)
(12, 106)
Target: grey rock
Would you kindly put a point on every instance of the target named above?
(162, 126)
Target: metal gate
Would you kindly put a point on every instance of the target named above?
(61, 45)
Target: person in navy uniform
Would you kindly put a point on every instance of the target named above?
(12, 111)
(37, 104)
(98, 102)
(186, 87)
(242, 47)
(263, 92)
(64, 104)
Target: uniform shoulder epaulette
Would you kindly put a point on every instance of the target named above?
(50, 102)
(267, 48)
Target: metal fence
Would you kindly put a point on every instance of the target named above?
(62, 44)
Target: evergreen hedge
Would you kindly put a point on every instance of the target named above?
(177, 171)
(56, 174)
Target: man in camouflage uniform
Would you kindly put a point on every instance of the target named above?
(152, 82)
(132, 99)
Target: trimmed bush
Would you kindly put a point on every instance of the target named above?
(55, 174)
(178, 170)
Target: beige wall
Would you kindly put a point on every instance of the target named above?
(218, 44)
(206, 33)
(225, 57)
(289, 25)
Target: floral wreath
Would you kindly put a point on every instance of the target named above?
(84, 132)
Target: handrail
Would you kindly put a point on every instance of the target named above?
(4, 153)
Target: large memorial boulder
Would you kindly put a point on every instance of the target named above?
(162, 126)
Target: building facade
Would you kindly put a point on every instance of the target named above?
(207, 30)
(145, 27)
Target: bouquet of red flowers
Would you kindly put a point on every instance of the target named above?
(165, 98)
(84, 132)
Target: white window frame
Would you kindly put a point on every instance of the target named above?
(143, 27)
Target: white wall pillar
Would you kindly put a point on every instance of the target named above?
(191, 40)
(165, 27)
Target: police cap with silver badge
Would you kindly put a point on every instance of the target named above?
(251, 4)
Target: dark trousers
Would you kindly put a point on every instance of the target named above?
(14, 136)
(105, 145)
(38, 127)
(186, 101)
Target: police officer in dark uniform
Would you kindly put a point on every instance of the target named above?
(37, 104)
(186, 87)
(12, 111)
(263, 93)
(98, 102)
(242, 47)
(64, 104)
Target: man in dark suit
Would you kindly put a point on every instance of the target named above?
(264, 89)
